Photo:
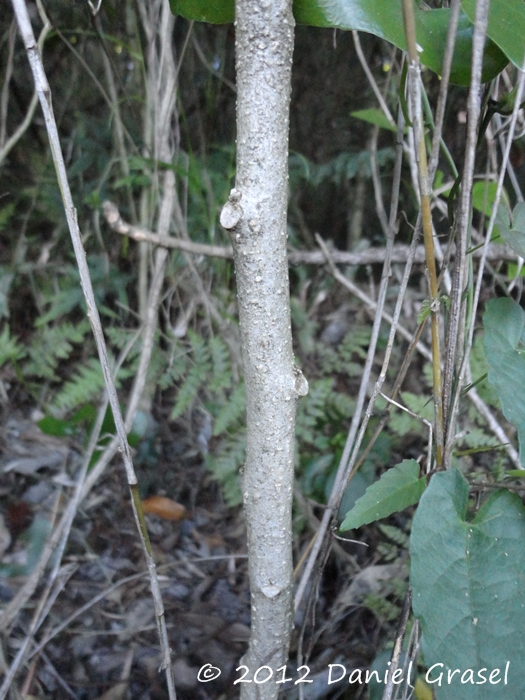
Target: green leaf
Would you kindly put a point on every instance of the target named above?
(397, 489)
(468, 588)
(432, 26)
(504, 339)
(383, 18)
(10, 349)
(515, 236)
(483, 195)
(355, 490)
(506, 26)
(5, 215)
(57, 426)
(215, 12)
(374, 116)
(518, 217)
(424, 311)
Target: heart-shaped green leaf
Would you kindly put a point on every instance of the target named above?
(504, 340)
(468, 589)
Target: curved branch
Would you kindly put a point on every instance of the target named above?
(295, 257)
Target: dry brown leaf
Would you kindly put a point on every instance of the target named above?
(164, 507)
(214, 540)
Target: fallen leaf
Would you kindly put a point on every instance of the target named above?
(164, 507)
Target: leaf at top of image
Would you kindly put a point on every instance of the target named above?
(504, 341)
(396, 489)
(384, 19)
(432, 27)
(506, 26)
(216, 12)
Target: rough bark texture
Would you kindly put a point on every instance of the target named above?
(256, 218)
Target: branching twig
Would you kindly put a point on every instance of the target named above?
(400, 252)
(456, 325)
(44, 94)
(10, 143)
(352, 445)
(479, 279)
(139, 234)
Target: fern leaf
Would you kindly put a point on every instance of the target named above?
(225, 465)
(84, 387)
(10, 348)
(394, 533)
(231, 411)
(52, 344)
(188, 392)
(221, 364)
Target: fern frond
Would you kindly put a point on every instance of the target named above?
(10, 348)
(200, 352)
(85, 386)
(402, 422)
(312, 409)
(198, 375)
(343, 404)
(231, 411)
(119, 337)
(225, 464)
(221, 364)
(176, 367)
(342, 358)
(50, 345)
(395, 534)
(476, 437)
(188, 391)
(381, 607)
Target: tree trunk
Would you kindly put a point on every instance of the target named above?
(255, 215)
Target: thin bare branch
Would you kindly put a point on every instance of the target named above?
(9, 143)
(4, 94)
(477, 291)
(209, 67)
(456, 325)
(44, 94)
(371, 79)
(455, 9)
(400, 252)
(139, 234)
(348, 457)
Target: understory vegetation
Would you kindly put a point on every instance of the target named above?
(187, 429)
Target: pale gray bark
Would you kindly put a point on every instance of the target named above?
(255, 215)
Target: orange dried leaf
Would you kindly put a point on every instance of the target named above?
(164, 507)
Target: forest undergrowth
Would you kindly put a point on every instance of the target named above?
(88, 631)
